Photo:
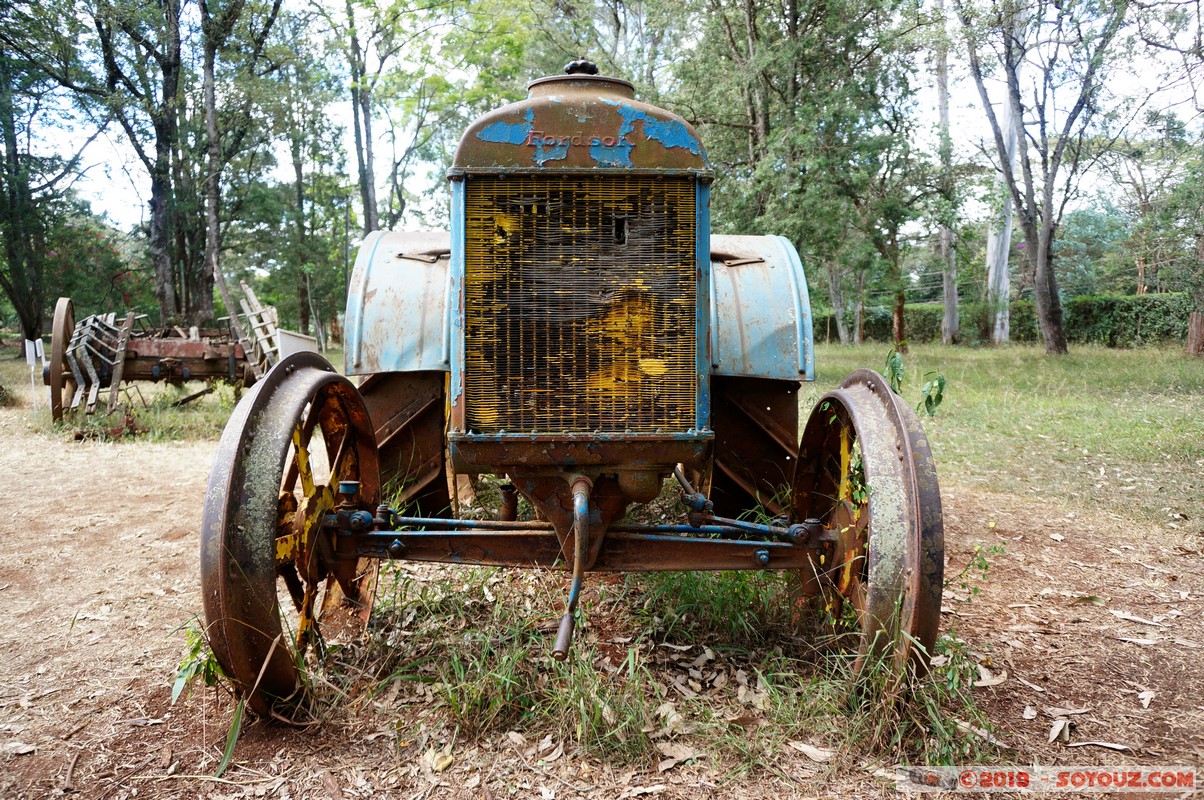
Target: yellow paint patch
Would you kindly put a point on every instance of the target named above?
(654, 366)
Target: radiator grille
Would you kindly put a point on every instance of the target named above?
(579, 304)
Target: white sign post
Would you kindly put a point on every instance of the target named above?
(32, 346)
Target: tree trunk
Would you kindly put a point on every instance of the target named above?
(898, 325)
(999, 245)
(371, 213)
(18, 222)
(836, 295)
(859, 311)
(1195, 323)
(1045, 288)
(201, 307)
(299, 225)
(951, 321)
(166, 127)
(1195, 334)
(361, 124)
(161, 235)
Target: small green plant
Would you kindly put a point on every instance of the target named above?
(932, 393)
(895, 370)
(198, 663)
(975, 571)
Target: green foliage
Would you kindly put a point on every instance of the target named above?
(975, 571)
(231, 738)
(932, 393)
(742, 608)
(198, 664)
(487, 659)
(1109, 321)
(895, 371)
(1093, 252)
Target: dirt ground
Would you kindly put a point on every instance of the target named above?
(1084, 617)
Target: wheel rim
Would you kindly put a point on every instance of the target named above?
(62, 384)
(866, 472)
(275, 584)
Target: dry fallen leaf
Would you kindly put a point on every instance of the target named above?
(1056, 711)
(985, 678)
(1145, 698)
(1030, 712)
(1057, 537)
(640, 791)
(1129, 617)
(18, 748)
(1093, 599)
(438, 760)
(1032, 686)
(1060, 730)
(812, 752)
(1109, 745)
(675, 754)
(985, 735)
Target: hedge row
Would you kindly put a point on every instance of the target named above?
(1112, 321)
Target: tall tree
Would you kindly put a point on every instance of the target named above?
(805, 110)
(217, 27)
(34, 188)
(1067, 50)
(950, 321)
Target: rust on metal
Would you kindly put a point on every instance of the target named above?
(756, 441)
(263, 505)
(100, 352)
(866, 472)
(582, 123)
(407, 411)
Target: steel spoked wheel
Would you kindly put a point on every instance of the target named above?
(277, 585)
(59, 376)
(865, 471)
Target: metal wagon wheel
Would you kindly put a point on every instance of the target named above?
(59, 376)
(865, 471)
(275, 586)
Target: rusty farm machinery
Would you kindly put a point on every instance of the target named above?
(581, 332)
(101, 351)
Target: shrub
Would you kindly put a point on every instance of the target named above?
(1111, 321)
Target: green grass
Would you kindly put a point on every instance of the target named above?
(1120, 430)
(470, 649)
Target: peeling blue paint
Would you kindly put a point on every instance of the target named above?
(508, 132)
(617, 155)
(543, 155)
(671, 133)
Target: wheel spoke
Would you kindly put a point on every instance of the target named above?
(301, 459)
(288, 573)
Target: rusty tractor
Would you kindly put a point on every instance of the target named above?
(580, 333)
(103, 350)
